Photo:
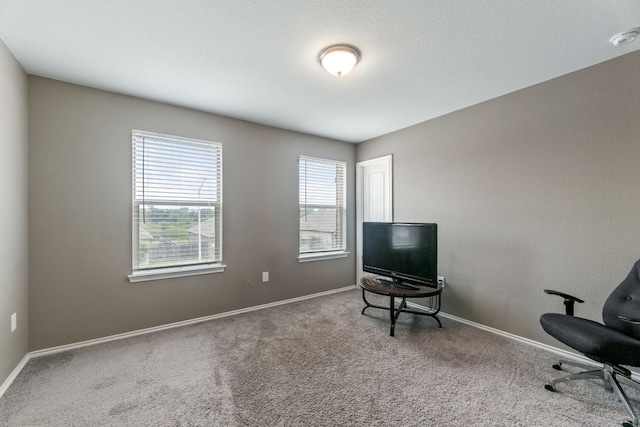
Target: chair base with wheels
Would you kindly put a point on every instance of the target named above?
(611, 376)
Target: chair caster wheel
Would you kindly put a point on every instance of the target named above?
(549, 387)
(557, 367)
(627, 424)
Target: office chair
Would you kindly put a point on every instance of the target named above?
(612, 344)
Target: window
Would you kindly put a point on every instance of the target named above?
(177, 206)
(323, 209)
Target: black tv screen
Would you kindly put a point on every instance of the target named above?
(403, 252)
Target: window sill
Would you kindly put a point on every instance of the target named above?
(321, 256)
(173, 272)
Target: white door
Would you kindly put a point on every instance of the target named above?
(374, 197)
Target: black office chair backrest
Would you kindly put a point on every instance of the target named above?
(621, 311)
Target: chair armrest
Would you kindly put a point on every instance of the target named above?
(563, 295)
(629, 320)
(569, 300)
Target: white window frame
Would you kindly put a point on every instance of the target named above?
(140, 273)
(333, 253)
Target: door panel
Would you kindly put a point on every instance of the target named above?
(374, 181)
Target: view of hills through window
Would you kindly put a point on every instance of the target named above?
(177, 189)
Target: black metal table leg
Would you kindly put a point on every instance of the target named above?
(392, 305)
(365, 301)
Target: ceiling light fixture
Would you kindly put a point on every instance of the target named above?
(339, 59)
(624, 37)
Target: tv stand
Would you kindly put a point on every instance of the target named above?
(389, 288)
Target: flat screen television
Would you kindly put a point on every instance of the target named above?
(404, 253)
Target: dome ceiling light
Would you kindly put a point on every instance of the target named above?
(339, 59)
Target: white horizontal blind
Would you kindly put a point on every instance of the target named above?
(177, 201)
(323, 205)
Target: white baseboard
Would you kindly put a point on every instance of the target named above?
(560, 352)
(53, 350)
(12, 376)
(563, 353)
(59, 349)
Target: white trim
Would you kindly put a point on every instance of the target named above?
(360, 200)
(309, 177)
(320, 256)
(12, 376)
(173, 272)
(560, 352)
(173, 138)
(53, 350)
(214, 265)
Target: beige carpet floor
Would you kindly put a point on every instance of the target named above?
(317, 362)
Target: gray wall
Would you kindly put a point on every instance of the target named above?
(536, 189)
(13, 217)
(80, 216)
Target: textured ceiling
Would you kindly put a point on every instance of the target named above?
(257, 60)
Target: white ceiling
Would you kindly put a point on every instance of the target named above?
(257, 59)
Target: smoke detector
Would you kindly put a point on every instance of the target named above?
(625, 37)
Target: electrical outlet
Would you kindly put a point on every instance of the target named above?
(265, 276)
(14, 322)
(441, 281)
